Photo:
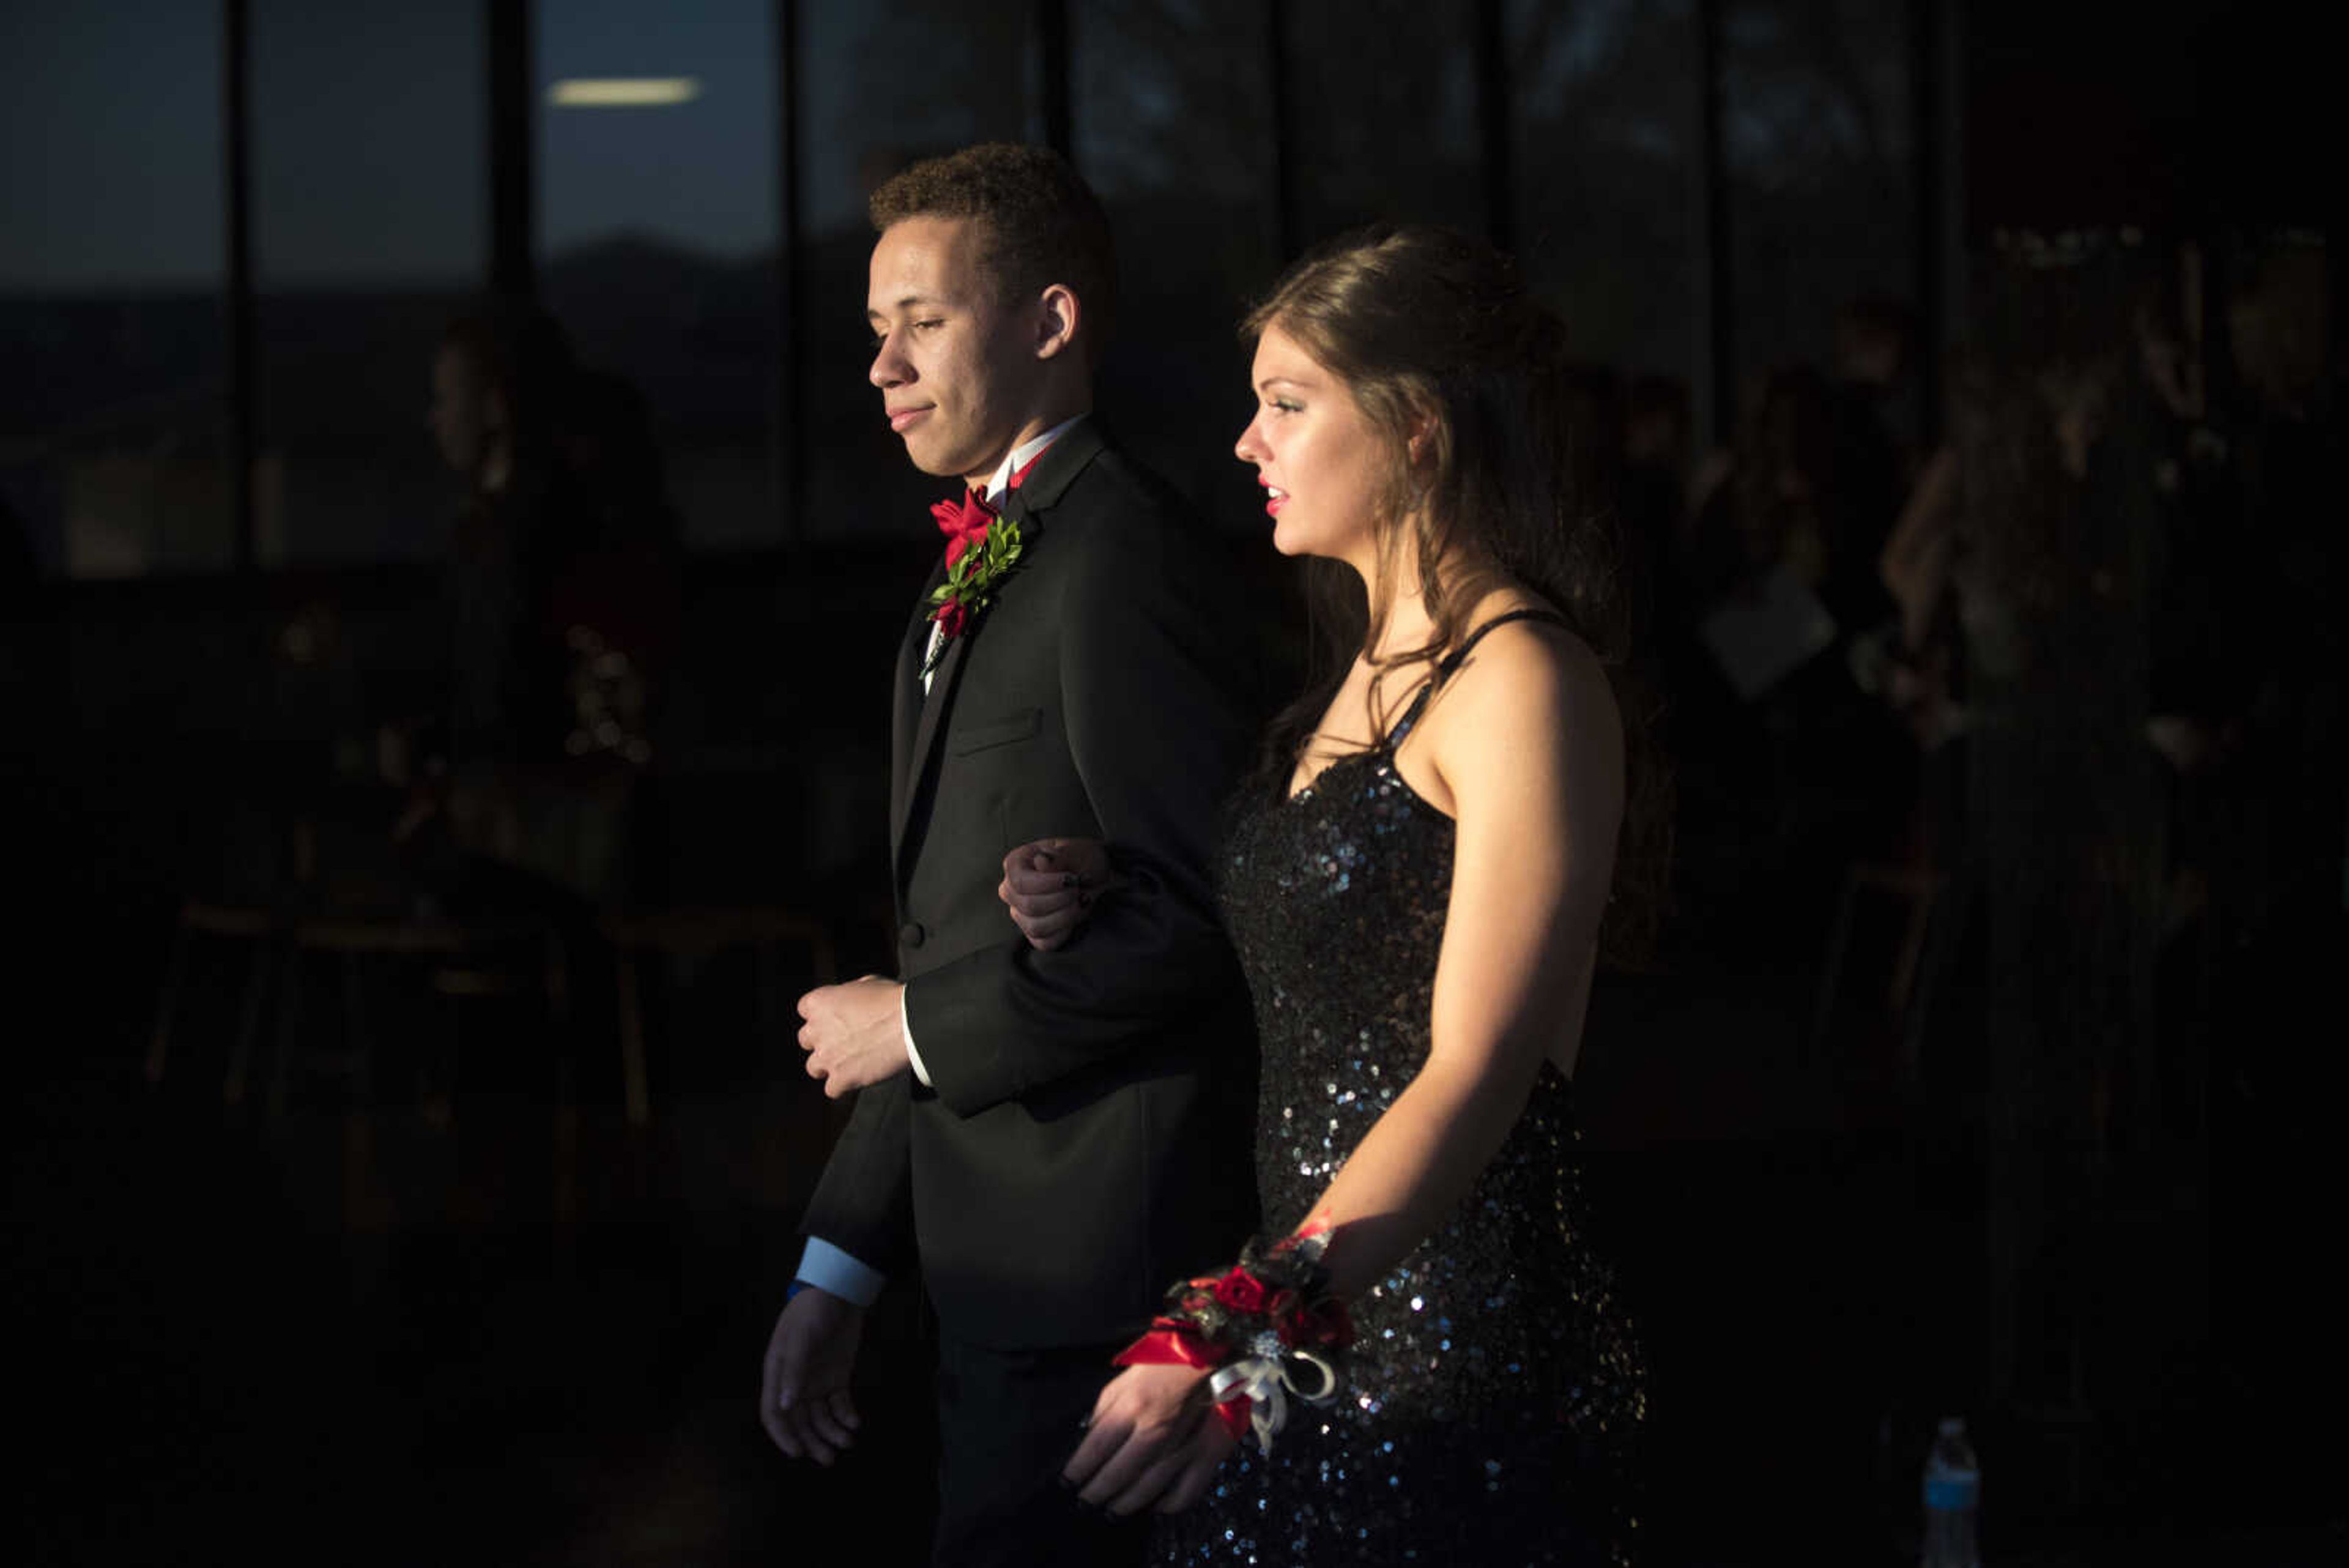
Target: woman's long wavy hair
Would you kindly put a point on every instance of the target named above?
(1434, 334)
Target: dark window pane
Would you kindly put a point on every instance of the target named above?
(113, 441)
(658, 232)
(369, 192)
(882, 86)
(1605, 99)
(1173, 121)
(1386, 114)
(1815, 133)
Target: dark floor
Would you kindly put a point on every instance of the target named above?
(505, 1335)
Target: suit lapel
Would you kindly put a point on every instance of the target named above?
(1066, 458)
(932, 716)
(907, 706)
(920, 719)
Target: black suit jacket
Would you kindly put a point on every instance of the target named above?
(1085, 1139)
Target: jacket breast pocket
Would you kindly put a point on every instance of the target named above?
(987, 733)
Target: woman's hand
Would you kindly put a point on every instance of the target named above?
(1151, 1442)
(1050, 887)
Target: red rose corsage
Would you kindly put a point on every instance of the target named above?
(1267, 1325)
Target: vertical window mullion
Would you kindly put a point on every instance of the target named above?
(790, 446)
(1284, 128)
(513, 218)
(243, 356)
(1495, 109)
(1716, 365)
(1052, 40)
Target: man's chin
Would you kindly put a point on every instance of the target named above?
(928, 459)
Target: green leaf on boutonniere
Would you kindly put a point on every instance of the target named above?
(971, 585)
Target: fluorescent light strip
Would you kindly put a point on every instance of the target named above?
(623, 92)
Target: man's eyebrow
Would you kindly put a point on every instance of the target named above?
(906, 302)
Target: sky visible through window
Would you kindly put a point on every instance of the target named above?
(113, 177)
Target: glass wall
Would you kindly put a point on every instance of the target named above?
(1385, 114)
(369, 211)
(1173, 125)
(1817, 141)
(658, 235)
(881, 85)
(1604, 94)
(661, 239)
(113, 432)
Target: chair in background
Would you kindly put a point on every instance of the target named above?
(254, 928)
(241, 903)
(1915, 892)
(698, 932)
(472, 957)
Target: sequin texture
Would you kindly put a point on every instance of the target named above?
(1495, 1386)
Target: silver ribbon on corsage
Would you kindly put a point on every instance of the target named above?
(1267, 1377)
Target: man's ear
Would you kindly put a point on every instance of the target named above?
(1058, 317)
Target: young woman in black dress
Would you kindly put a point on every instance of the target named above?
(1416, 886)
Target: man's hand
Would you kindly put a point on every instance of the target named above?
(804, 1398)
(854, 1034)
(1151, 1441)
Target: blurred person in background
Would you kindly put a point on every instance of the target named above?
(558, 609)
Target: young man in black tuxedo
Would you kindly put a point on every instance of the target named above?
(1051, 1137)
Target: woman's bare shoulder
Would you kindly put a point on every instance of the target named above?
(1532, 699)
(1535, 666)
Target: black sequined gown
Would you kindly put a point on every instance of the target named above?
(1495, 1387)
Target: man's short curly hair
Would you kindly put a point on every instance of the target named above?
(1043, 223)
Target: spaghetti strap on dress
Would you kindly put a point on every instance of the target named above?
(1450, 665)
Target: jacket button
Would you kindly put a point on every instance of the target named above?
(911, 933)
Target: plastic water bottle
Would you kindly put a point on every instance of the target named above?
(1952, 1493)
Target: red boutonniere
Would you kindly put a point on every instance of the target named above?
(982, 546)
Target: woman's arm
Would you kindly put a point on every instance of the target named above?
(1527, 744)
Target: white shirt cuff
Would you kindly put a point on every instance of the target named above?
(905, 1032)
(827, 1268)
